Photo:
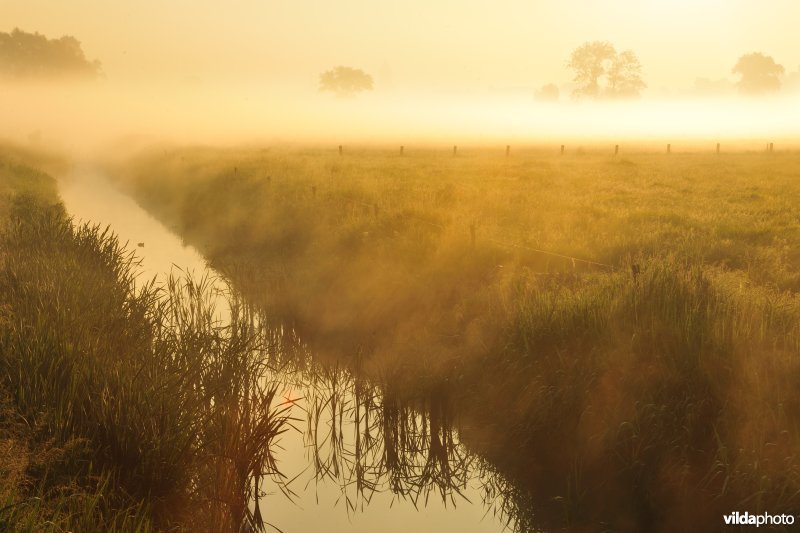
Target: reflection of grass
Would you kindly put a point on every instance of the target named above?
(125, 407)
(666, 400)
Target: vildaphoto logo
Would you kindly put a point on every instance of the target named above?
(764, 519)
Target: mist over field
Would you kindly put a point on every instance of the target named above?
(82, 117)
(439, 74)
(383, 267)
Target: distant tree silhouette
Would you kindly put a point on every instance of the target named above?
(345, 81)
(589, 61)
(759, 74)
(597, 62)
(625, 76)
(32, 55)
(793, 80)
(547, 93)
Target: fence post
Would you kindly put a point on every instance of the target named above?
(314, 191)
(340, 149)
(771, 147)
(635, 270)
(717, 148)
(616, 150)
(562, 149)
(669, 148)
(508, 150)
(402, 148)
(455, 149)
(472, 233)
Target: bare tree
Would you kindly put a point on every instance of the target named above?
(601, 72)
(759, 74)
(345, 81)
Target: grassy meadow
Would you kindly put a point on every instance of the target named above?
(619, 335)
(124, 406)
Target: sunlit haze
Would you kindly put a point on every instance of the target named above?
(444, 71)
(363, 266)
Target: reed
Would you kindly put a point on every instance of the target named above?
(160, 415)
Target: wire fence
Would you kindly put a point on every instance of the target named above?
(616, 149)
(562, 150)
(503, 244)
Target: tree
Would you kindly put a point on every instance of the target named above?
(793, 80)
(547, 93)
(31, 55)
(598, 61)
(625, 76)
(345, 81)
(589, 61)
(759, 74)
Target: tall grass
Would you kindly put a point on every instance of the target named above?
(640, 398)
(655, 401)
(166, 414)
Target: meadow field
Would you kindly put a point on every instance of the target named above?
(618, 335)
(361, 267)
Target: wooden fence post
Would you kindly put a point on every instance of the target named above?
(669, 148)
(771, 147)
(455, 149)
(402, 148)
(717, 148)
(562, 149)
(508, 150)
(635, 270)
(340, 149)
(616, 150)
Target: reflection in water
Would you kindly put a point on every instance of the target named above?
(370, 441)
(367, 438)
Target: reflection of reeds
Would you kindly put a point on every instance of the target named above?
(175, 407)
(508, 501)
(368, 439)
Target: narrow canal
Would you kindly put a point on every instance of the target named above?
(358, 460)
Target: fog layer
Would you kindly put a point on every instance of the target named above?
(84, 116)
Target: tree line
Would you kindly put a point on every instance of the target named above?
(26, 55)
(599, 72)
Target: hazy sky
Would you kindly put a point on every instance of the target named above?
(445, 70)
(449, 45)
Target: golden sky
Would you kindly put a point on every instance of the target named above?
(445, 70)
(450, 45)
